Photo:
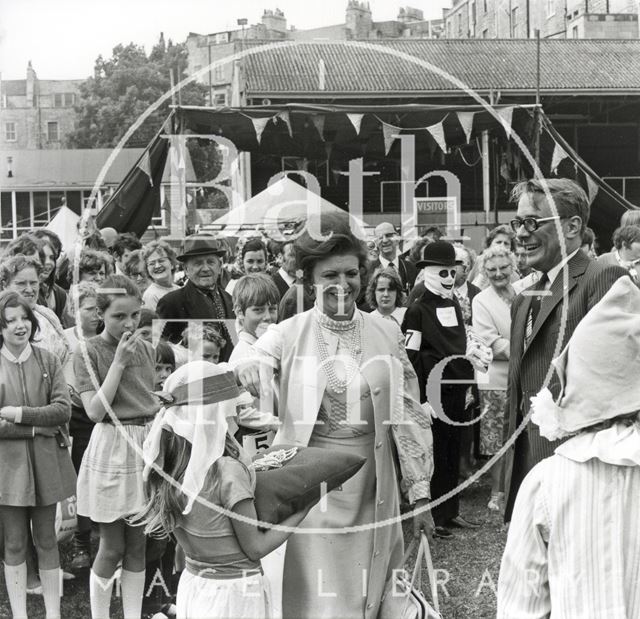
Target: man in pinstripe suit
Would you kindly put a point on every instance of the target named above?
(544, 316)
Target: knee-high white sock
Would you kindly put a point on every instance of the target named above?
(16, 580)
(100, 594)
(132, 590)
(50, 580)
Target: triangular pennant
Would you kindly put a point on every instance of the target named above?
(259, 124)
(318, 123)
(437, 132)
(466, 122)
(356, 121)
(592, 187)
(284, 116)
(388, 133)
(145, 165)
(506, 114)
(558, 155)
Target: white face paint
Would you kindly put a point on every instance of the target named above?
(440, 280)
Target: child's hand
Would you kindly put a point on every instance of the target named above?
(126, 350)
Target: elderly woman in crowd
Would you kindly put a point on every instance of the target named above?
(492, 322)
(161, 264)
(22, 274)
(500, 236)
(343, 375)
(573, 548)
(385, 295)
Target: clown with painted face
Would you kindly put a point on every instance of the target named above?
(434, 331)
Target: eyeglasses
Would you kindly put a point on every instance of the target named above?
(447, 273)
(531, 224)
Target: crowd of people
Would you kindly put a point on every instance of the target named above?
(424, 363)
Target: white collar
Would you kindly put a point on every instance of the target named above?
(618, 445)
(24, 355)
(384, 263)
(397, 314)
(247, 337)
(553, 272)
(287, 278)
(462, 292)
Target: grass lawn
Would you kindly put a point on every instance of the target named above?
(467, 565)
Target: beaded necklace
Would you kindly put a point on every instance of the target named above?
(350, 334)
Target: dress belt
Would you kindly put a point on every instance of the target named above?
(133, 421)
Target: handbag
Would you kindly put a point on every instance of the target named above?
(403, 598)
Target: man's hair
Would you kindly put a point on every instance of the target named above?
(569, 198)
(255, 289)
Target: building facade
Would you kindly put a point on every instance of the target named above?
(36, 113)
(519, 19)
(359, 24)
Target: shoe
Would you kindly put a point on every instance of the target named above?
(442, 532)
(80, 560)
(461, 523)
(35, 590)
(495, 502)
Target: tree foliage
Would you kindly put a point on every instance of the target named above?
(123, 87)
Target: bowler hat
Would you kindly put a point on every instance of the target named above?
(202, 245)
(438, 253)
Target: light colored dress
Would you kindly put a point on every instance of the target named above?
(51, 334)
(573, 550)
(491, 320)
(343, 575)
(154, 293)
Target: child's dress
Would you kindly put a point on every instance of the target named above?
(110, 485)
(37, 471)
(219, 579)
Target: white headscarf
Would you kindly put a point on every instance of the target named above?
(198, 397)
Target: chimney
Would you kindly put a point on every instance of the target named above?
(32, 78)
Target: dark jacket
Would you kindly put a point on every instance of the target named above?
(191, 302)
(529, 363)
(281, 285)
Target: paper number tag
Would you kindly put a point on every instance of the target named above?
(412, 339)
(447, 316)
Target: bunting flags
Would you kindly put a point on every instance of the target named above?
(318, 123)
(437, 133)
(558, 155)
(466, 122)
(593, 188)
(145, 165)
(506, 114)
(284, 117)
(356, 121)
(389, 133)
(259, 124)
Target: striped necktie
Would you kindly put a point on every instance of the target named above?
(534, 308)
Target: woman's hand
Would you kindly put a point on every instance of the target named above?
(126, 350)
(422, 519)
(248, 376)
(9, 413)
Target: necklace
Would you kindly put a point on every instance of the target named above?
(350, 334)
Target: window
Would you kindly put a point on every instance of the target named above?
(52, 131)
(219, 98)
(218, 74)
(485, 33)
(514, 20)
(10, 132)
(574, 32)
(23, 210)
(64, 99)
(40, 208)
